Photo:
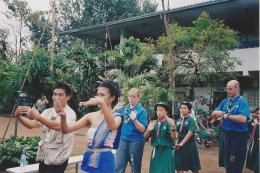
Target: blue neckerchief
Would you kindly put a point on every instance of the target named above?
(126, 114)
(229, 103)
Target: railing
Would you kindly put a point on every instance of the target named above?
(34, 168)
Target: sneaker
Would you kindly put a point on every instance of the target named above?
(198, 140)
(208, 144)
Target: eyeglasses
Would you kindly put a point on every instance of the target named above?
(132, 96)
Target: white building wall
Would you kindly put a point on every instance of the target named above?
(249, 57)
(200, 93)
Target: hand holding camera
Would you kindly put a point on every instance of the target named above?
(22, 110)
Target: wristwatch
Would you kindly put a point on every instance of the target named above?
(134, 119)
(228, 115)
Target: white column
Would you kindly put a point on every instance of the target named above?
(122, 36)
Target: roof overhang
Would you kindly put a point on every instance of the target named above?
(237, 14)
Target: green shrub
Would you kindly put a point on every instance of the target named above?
(12, 148)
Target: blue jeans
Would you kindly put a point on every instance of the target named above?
(131, 152)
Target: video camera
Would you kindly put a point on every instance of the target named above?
(24, 99)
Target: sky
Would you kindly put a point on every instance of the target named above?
(44, 5)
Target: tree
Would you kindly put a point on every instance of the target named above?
(148, 7)
(202, 51)
(170, 53)
(103, 11)
(70, 14)
(20, 11)
(3, 43)
(38, 23)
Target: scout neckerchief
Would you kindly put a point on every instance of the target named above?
(159, 125)
(182, 121)
(98, 141)
(126, 114)
(229, 108)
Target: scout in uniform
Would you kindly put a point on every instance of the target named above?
(162, 132)
(252, 161)
(186, 153)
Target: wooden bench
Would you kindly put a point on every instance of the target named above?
(33, 168)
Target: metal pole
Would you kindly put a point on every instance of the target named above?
(53, 36)
(16, 119)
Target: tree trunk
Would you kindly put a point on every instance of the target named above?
(191, 93)
(170, 58)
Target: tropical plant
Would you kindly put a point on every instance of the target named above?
(12, 148)
(9, 84)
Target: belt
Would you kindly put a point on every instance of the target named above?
(164, 147)
(97, 150)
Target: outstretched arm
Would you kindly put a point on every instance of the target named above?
(25, 121)
(48, 123)
(112, 123)
(65, 128)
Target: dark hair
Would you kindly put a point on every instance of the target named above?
(63, 86)
(187, 104)
(113, 88)
(165, 105)
(256, 109)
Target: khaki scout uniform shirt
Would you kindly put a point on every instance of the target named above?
(54, 146)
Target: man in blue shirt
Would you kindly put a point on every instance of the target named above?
(134, 124)
(234, 111)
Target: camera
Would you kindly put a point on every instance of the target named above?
(24, 99)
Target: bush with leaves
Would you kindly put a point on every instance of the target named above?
(12, 148)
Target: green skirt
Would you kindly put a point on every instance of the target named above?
(252, 161)
(187, 157)
(162, 161)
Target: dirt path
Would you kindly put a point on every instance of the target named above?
(208, 157)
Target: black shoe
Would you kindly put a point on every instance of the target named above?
(198, 140)
(207, 143)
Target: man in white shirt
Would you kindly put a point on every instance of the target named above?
(54, 147)
(41, 103)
